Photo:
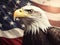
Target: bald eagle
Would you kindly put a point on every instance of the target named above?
(38, 30)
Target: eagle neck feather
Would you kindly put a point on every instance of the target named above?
(37, 25)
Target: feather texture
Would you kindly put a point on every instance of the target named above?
(39, 18)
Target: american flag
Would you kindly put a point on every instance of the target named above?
(11, 32)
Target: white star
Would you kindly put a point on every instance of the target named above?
(9, 13)
(17, 19)
(5, 17)
(23, 25)
(28, 4)
(3, 6)
(11, 23)
(0, 25)
(18, 1)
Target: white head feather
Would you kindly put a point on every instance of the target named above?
(42, 23)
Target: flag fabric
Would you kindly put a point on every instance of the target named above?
(51, 9)
(11, 32)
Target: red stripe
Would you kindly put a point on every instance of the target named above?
(55, 23)
(7, 41)
(47, 8)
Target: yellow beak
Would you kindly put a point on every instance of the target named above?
(20, 13)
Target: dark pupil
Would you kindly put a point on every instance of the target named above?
(30, 11)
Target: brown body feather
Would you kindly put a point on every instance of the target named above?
(54, 35)
(36, 39)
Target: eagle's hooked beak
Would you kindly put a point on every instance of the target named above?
(20, 13)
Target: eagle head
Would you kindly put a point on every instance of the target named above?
(33, 18)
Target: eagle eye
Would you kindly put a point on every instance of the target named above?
(20, 10)
(29, 10)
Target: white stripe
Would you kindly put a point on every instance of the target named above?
(12, 33)
(53, 3)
